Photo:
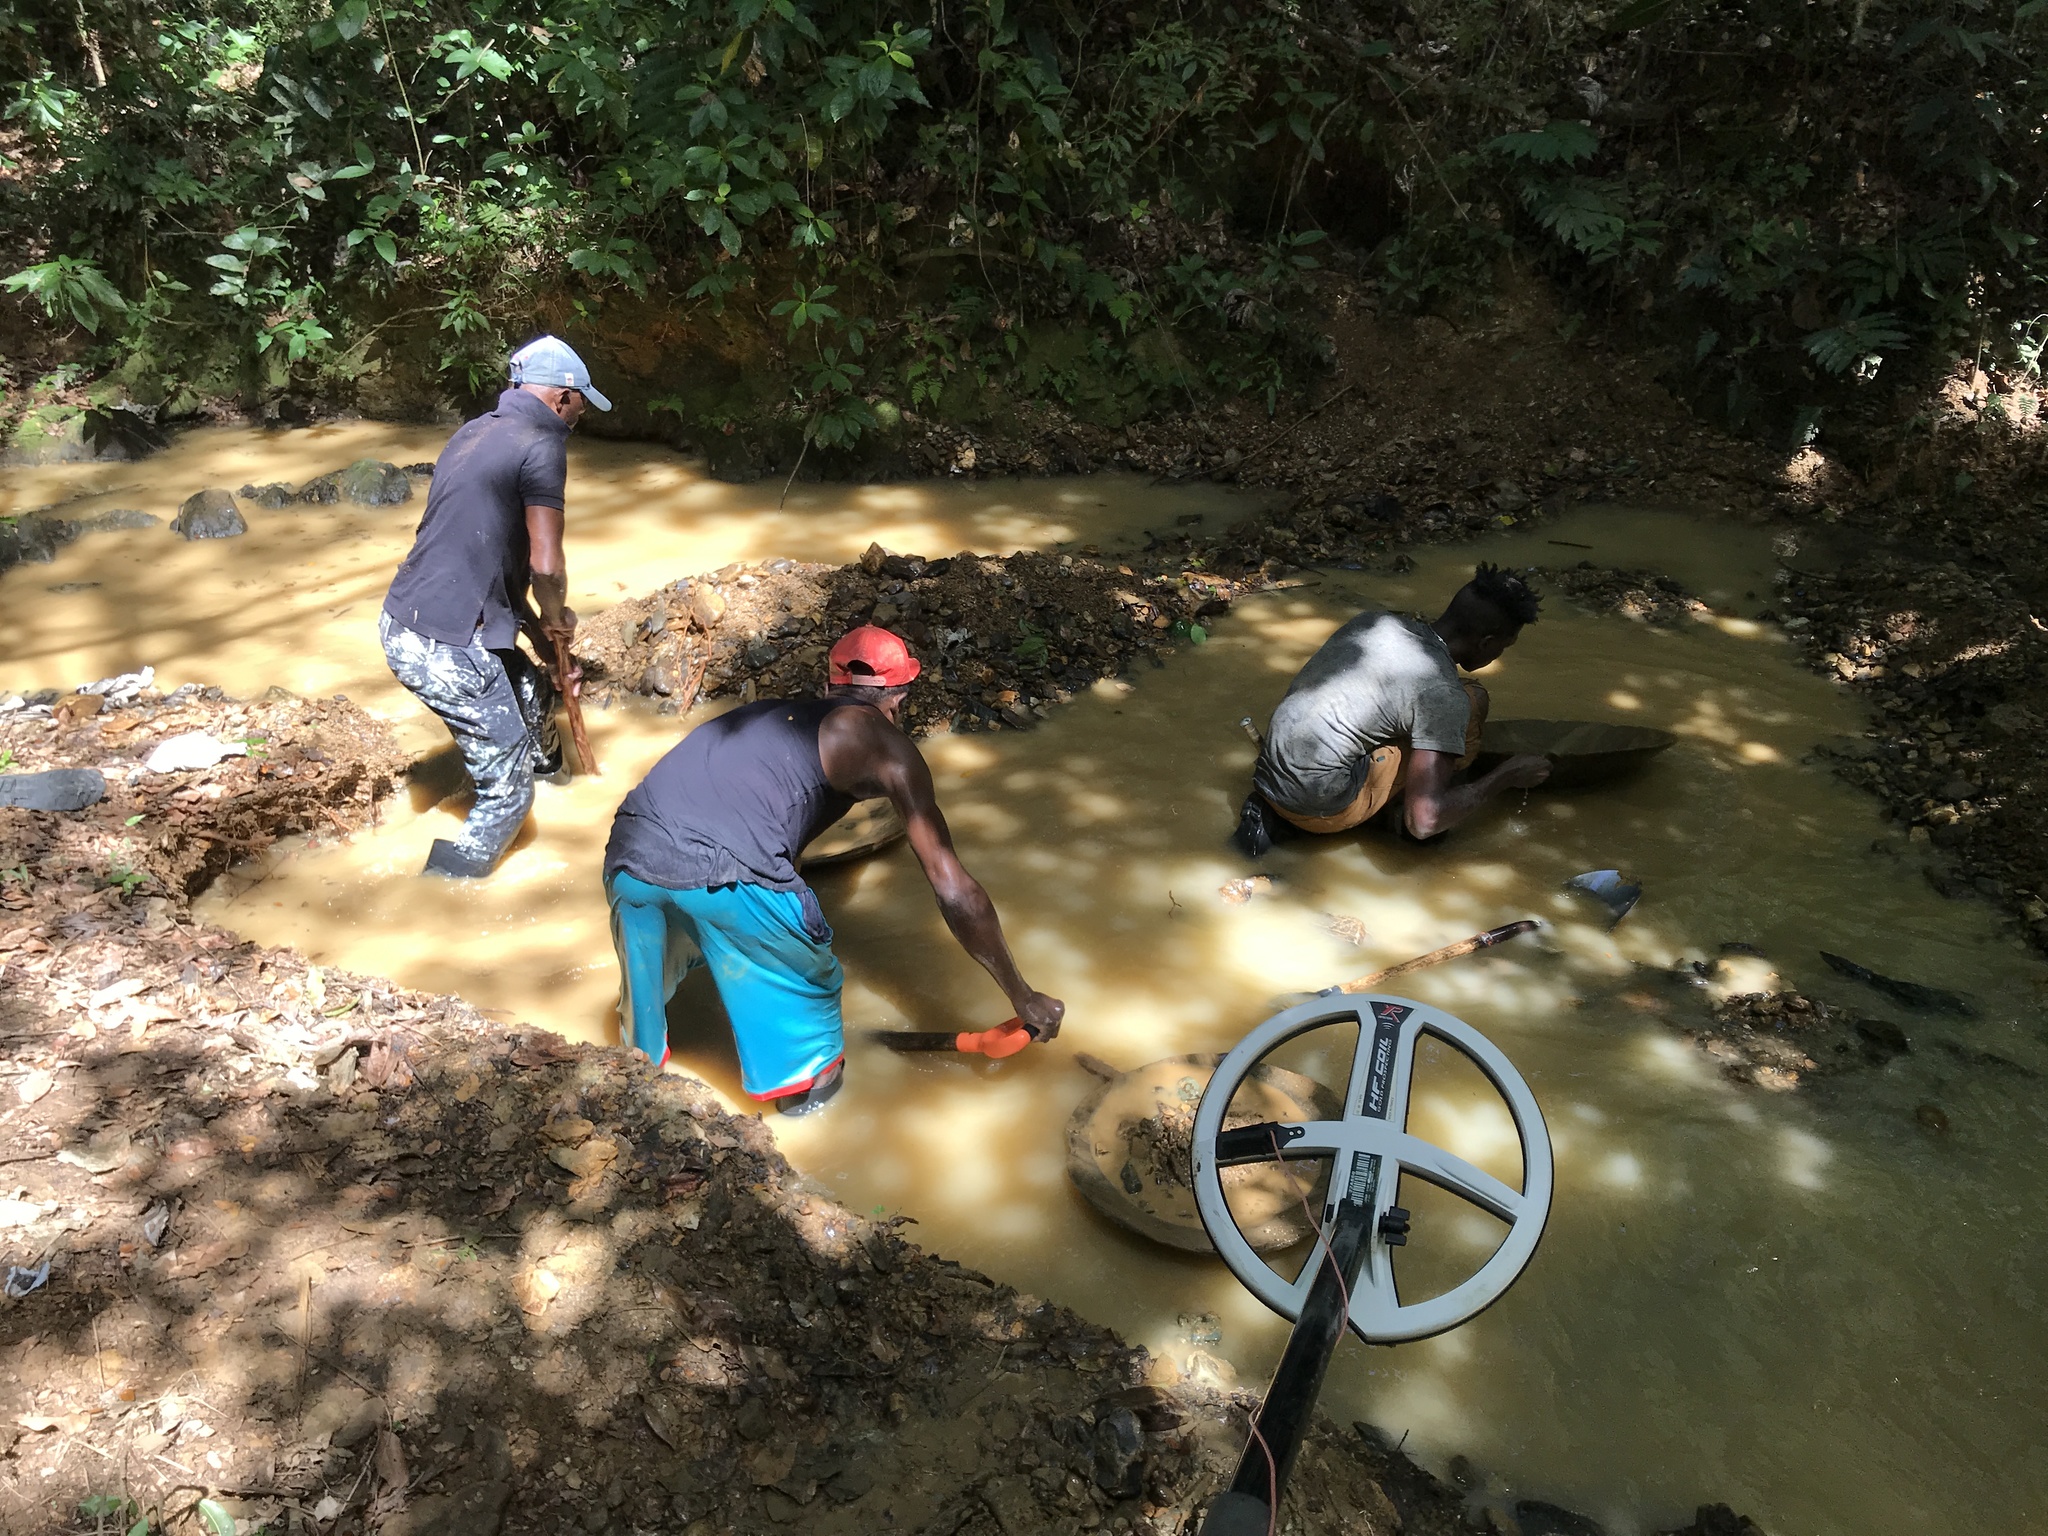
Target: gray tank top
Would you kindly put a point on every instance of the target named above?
(732, 803)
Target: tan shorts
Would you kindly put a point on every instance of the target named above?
(1387, 774)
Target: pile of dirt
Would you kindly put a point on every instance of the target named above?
(1644, 596)
(298, 765)
(337, 1256)
(1001, 639)
(1773, 1037)
(1775, 1040)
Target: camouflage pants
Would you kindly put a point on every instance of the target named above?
(500, 708)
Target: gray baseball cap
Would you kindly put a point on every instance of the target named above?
(552, 361)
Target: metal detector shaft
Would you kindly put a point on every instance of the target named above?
(1283, 1418)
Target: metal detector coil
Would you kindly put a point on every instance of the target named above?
(1370, 1148)
(1349, 1277)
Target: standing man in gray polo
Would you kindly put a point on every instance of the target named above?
(452, 619)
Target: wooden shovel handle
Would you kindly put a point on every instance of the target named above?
(1478, 941)
(574, 705)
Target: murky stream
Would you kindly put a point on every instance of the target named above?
(1808, 1306)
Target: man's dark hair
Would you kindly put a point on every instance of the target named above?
(863, 693)
(1504, 593)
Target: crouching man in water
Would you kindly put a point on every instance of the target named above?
(701, 870)
(1380, 712)
(452, 619)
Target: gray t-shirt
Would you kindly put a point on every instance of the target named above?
(1380, 680)
(470, 559)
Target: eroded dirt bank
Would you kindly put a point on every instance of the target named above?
(344, 1257)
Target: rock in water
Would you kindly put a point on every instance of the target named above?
(33, 539)
(209, 515)
(60, 789)
(271, 496)
(367, 482)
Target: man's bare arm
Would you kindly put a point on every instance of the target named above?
(863, 755)
(549, 571)
(1433, 804)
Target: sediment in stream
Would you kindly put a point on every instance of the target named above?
(348, 1257)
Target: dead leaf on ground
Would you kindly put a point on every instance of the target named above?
(42, 1423)
(771, 1464)
(102, 1154)
(666, 1420)
(392, 1473)
(1238, 892)
(107, 996)
(35, 1085)
(535, 1289)
(567, 1128)
(588, 1160)
(541, 1051)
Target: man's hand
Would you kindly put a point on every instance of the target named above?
(1041, 1015)
(1525, 770)
(562, 626)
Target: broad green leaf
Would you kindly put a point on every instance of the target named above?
(217, 1520)
(386, 247)
(351, 17)
(1560, 142)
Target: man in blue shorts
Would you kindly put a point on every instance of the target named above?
(701, 870)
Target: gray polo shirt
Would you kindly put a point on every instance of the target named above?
(470, 561)
(1380, 680)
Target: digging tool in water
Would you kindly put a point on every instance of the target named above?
(1005, 1039)
(574, 705)
(1372, 979)
(1907, 994)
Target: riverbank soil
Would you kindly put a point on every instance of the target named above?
(1920, 586)
(342, 1257)
(1419, 428)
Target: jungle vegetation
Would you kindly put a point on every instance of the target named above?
(924, 202)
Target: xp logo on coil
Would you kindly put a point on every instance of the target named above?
(1387, 1019)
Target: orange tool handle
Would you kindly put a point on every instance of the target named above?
(1005, 1039)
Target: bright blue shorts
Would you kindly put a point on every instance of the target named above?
(780, 985)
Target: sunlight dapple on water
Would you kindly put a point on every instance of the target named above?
(1784, 1301)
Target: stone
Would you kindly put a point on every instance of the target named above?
(33, 539)
(58, 789)
(211, 514)
(270, 496)
(707, 605)
(367, 482)
(1119, 1450)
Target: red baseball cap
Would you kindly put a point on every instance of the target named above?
(873, 657)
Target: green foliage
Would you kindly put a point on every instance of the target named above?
(1111, 209)
(279, 176)
(67, 285)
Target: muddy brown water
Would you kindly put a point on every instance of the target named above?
(1807, 1305)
